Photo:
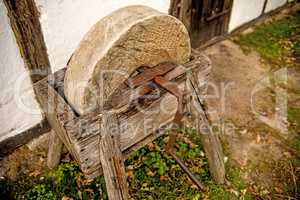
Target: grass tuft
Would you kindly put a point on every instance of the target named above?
(278, 41)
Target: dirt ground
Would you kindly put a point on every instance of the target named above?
(252, 144)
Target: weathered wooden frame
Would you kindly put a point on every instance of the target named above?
(81, 134)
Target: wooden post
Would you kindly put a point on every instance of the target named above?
(211, 143)
(186, 13)
(55, 149)
(111, 158)
(182, 9)
(174, 8)
(264, 7)
(24, 20)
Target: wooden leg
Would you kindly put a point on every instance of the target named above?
(211, 143)
(111, 158)
(54, 152)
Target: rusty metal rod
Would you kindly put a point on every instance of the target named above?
(176, 91)
(187, 171)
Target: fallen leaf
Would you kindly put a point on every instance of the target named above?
(269, 139)
(151, 146)
(35, 173)
(145, 184)
(278, 190)
(129, 173)
(150, 173)
(206, 197)
(243, 132)
(194, 186)
(287, 154)
(130, 167)
(225, 159)
(163, 178)
(258, 138)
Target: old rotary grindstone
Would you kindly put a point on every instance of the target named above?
(98, 105)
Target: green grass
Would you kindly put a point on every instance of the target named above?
(67, 180)
(152, 174)
(294, 143)
(294, 128)
(278, 41)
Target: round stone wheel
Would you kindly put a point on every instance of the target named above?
(115, 47)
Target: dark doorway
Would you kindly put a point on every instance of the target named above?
(205, 19)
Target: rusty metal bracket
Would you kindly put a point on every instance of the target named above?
(149, 74)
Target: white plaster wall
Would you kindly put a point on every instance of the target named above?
(244, 11)
(273, 4)
(19, 110)
(65, 22)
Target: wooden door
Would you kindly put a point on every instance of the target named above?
(205, 19)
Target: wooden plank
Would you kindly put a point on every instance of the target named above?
(175, 8)
(24, 20)
(264, 7)
(150, 73)
(214, 23)
(127, 96)
(134, 127)
(186, 13)
(211, 143)
(55, 149)
(201, 28)
(210, 18)
(56, 112)
(8, 145)
(111, 158)
(227, 6)
(81, 134)
(206, 9)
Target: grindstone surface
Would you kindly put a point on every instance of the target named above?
(115, 47)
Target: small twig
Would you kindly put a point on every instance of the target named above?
(284, 144)
(285, 196)
(294, 177)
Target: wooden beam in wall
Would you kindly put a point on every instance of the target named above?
(24, 20)
(174, 8)
(264, 7)
(10, 144)
(182, 9)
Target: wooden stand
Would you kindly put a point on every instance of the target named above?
(98, 147)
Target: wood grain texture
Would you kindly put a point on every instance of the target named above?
(54, 151)
(111, 158)
(8, 145)
(186, 13)
(210, 140)
(139, 123)
(24, 20)
(205, 19)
